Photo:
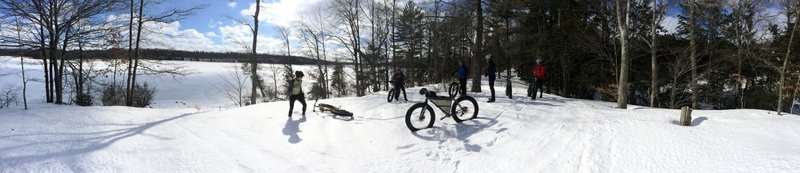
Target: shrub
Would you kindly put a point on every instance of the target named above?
(83, 100)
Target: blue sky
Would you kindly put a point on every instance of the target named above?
(212, 29)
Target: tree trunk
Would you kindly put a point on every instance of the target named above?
(48, 96)
(254, 63)
(783, 69)
(128, 86)
(622, 86)
(476, 59)
(693, 51)
(653, 58)
(139, 23)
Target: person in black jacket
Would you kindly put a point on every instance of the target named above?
(296, 92)
(490, 73)
(399, 82)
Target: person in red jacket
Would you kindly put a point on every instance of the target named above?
(539, 71)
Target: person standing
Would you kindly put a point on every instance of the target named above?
(490, 73)
(462, 77)
(539, 71)
(399, 82)
(296, 91)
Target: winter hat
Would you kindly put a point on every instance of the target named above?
(488, 56)
(539, 60)
(298, 74)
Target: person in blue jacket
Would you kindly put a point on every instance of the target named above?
(461, 73)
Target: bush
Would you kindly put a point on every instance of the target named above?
(83, 100)
(7, 96)
(143, 95)
(115, 96)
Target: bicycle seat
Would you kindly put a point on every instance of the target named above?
(426, 93)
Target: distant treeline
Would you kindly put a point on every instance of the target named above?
(177, 55)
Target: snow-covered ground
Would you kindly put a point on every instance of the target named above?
(552, 134)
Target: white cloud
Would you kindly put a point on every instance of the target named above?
(214, 24)
(232, 4)
(282, 12)
(239, 38)
(211, 34)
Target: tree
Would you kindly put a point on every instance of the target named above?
(338, 82)
(55, 20)
(284, 35)
(623, 22)
(792, 9)
(234, 84)
(408, 40)
(478, 51)
(135, 52)
(348, 12)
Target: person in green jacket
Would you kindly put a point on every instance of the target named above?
(296, 92)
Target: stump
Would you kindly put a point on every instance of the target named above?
(686, 116)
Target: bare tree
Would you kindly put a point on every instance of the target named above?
(792, 9)
(233, 84)
(312, 37)
(55, 20)
(658, 9)
(348, 12)
(254, 60)
(18, 28)
(166, 17)
(285, 33)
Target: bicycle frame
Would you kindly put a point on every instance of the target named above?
(444, 109)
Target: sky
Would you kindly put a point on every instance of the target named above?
(215, 27)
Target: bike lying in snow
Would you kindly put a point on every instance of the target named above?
(421, 116)
(332, 109)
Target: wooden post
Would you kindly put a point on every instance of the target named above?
(686, 115)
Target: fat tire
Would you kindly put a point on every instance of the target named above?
(409, 116)
(340, 112)
(467, 100)
(391, 95)
(453, 89)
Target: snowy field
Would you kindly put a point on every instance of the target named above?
(553, 134)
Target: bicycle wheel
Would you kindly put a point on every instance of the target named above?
(464, 108)
(453, 89)
(417, 118)
(391, 95)
(340, 112)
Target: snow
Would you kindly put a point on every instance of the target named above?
(552, 134)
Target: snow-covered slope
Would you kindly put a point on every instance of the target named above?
(547, 135)
(552, 134)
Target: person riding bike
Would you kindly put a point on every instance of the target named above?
(399, 82)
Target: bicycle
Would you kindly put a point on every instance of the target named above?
(453, 89)
(392, 93)
(461, 109)
(332, 109)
